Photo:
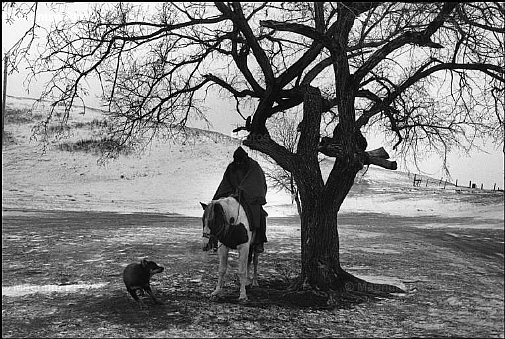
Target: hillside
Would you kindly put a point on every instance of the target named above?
(173, 177)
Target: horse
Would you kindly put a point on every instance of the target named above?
(226, 220)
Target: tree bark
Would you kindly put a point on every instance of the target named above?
(320, 248)
(332, 148)
(378, 153)
(321, 203)
(320, 251)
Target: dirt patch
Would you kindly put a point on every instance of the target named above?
(453, 275)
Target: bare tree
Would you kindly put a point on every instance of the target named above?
(283, 129)
(430, 75)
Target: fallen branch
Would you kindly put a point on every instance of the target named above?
(371, 160)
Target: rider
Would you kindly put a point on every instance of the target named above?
(245, 179)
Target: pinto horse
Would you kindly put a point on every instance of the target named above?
(226, 220)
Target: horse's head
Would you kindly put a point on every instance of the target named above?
(213, 221)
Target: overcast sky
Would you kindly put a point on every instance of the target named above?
(485, 166)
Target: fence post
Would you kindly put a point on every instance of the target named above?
(494, 187)
(470, 184)
(481, 186)
(456, 182)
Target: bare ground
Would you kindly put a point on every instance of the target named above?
(454, 275)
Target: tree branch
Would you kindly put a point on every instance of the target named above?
(241, 62)
(423, 73)
(266, 145)
(304, 30)
(238, 18)
(224, 84)
(418, 38)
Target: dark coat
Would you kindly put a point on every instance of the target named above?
(248, 182)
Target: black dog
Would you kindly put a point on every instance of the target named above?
(136, 278)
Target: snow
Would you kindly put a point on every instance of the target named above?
(21, 290)
(175, 177)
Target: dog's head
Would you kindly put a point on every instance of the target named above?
(151, 266)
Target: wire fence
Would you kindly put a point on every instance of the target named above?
(422, 181)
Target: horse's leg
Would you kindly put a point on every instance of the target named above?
(255, 274)
(242, 271)
(222, 253)
(253, 262)
(250, 255)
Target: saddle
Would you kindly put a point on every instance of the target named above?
(260, 216)
(235, 235)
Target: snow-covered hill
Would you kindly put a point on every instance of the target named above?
(175, 177)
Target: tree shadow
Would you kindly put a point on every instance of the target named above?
(121, 309)
(281, 293)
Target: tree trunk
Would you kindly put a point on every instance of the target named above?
(320, 251)
(321, 203)
(319, 232)
(319, 247)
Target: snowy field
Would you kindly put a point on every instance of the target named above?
(175, 177)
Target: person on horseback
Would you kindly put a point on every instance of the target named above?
(244, 178)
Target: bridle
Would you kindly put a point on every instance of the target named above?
(206, 234)
(224, 230)
(220, 233)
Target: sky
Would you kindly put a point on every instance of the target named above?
(484, 166)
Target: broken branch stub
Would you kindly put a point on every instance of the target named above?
(373, 157)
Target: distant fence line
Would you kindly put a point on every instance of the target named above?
(418, 180)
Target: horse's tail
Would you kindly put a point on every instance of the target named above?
(251, 247)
